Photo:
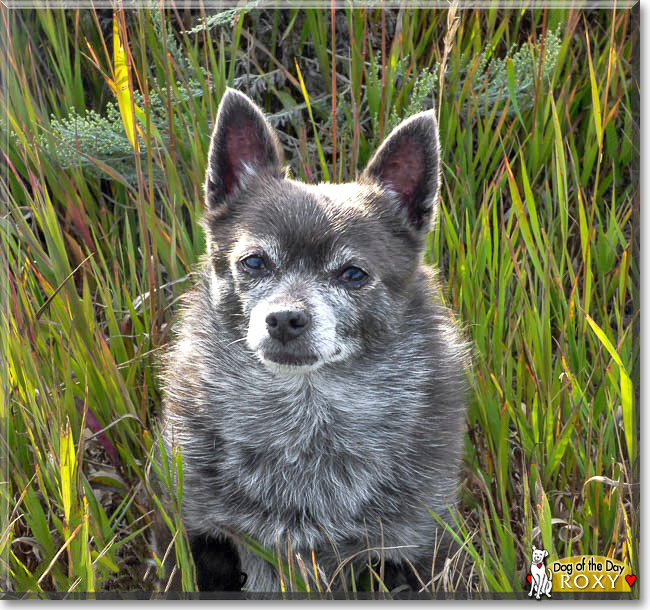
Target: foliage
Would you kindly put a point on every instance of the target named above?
(531, 61)
(73, 137)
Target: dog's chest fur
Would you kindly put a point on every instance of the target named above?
(318, 456)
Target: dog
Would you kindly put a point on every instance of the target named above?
(541, 578)
(316, 386)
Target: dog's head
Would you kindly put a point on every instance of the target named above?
(312, 275)
(538, 555)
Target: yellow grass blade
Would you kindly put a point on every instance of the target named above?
(627, 404)
(122, 91)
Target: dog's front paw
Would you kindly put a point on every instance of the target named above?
(218, 567)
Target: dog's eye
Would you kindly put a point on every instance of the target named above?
(253, 263)
(353, 276)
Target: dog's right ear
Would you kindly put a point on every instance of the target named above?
(243, 144)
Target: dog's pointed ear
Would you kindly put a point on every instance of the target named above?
(534, 548)
(243, 143)
(545, 553)
(408, 164)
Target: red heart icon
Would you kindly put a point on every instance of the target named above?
(631, 579)
(539, 565)
(529, 578)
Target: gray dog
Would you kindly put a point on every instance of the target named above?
(316, 386)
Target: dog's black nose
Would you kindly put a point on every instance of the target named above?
(287, 325)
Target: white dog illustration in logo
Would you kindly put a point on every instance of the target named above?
(541, 579)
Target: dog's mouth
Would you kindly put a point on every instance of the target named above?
(289, 359)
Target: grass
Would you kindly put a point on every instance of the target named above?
(538, 239)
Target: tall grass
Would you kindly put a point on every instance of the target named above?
(104, 156)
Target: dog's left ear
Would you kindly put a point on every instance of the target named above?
(545, 553)
(408, 164)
